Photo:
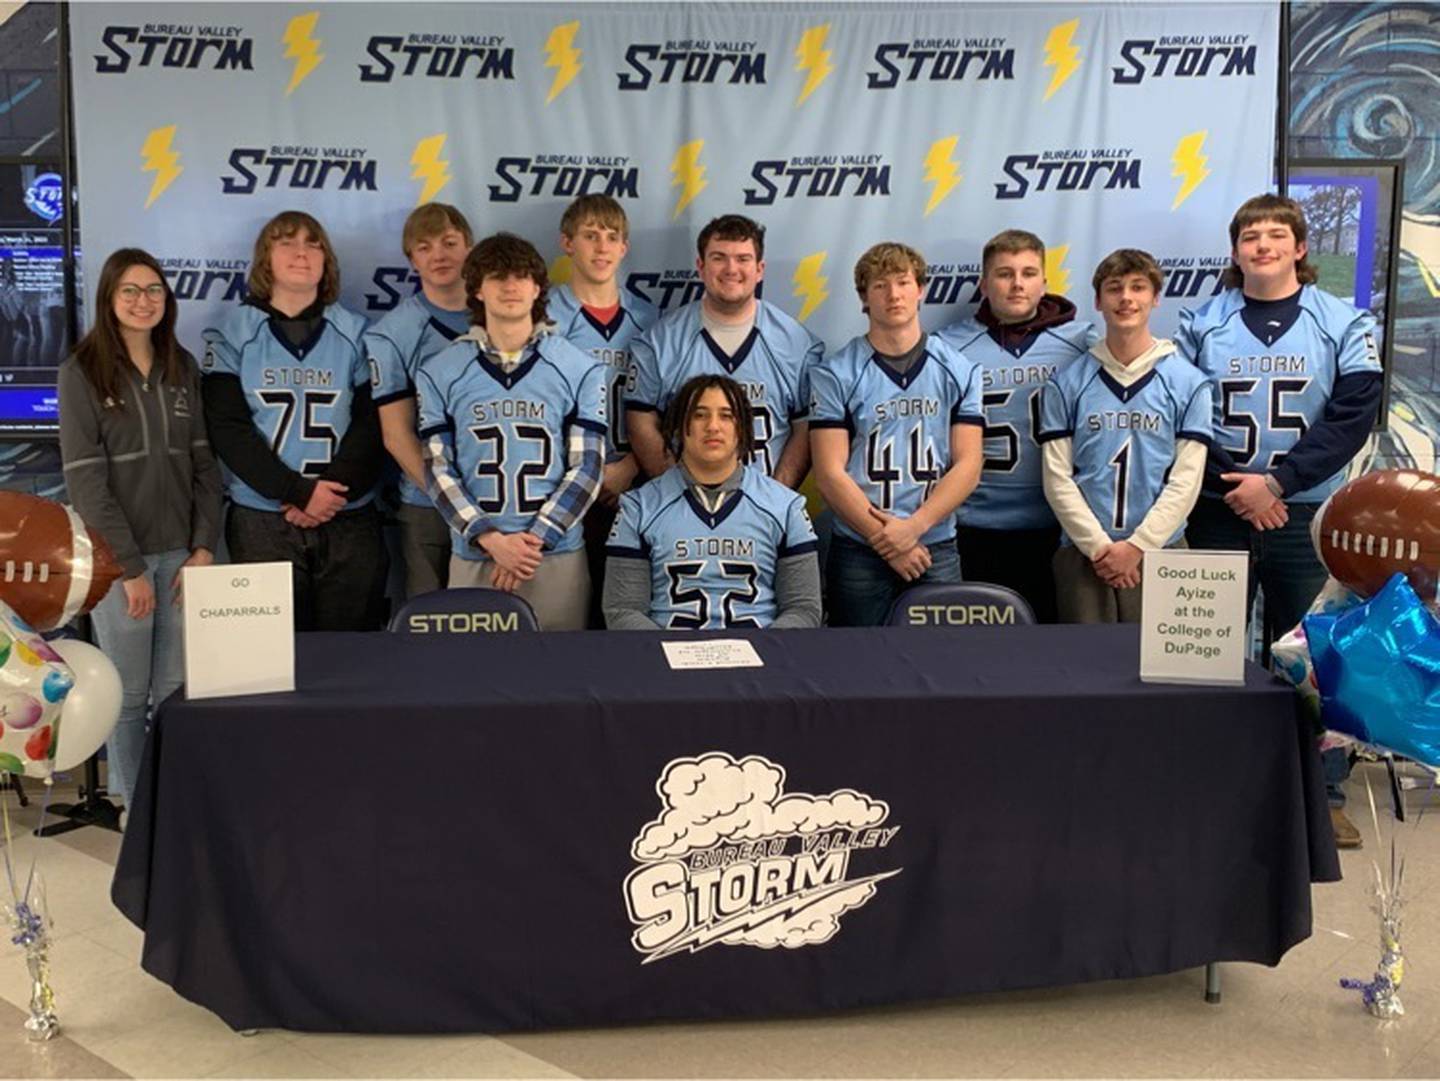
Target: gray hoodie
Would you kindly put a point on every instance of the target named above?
(140, 470)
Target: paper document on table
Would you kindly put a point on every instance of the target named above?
(712, 653)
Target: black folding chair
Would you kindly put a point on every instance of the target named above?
(465, 611)
(959, 604)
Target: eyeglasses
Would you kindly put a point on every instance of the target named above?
(131, 293)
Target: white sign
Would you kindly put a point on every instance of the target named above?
(1192, 621)
(239, 629)
(713, 653)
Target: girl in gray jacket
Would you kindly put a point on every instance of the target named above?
(139, 469)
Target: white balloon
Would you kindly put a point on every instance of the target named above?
(93, 705)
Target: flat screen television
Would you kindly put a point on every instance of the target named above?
(33, 336)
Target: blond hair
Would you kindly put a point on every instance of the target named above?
(432, 220)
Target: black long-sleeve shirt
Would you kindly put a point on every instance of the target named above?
(357, 459)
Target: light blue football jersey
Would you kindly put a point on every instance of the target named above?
(1011, 494)
(511, 430)
(608, 344)
(299, 395)
(407, 336)
(899, 425)
(773, 366)
(1268, 395)
(711, 570)
(1124, 437)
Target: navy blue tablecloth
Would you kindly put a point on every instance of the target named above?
(501, 832)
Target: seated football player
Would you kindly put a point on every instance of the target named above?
(728, 331)
(436, 239)
(288, 407)
(895, 434)
(591, 313)
(1124, 431)
(712, 542)
(512, 420)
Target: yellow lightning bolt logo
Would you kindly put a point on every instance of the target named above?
(1062, 55)
(303, 47)
(1057, 278)
(561, 54)
(810, 284)
(561, 270)
(1190, 165)
(688, 174)
(430, 167)
(812, 57)
(941, 170)
(160, 160)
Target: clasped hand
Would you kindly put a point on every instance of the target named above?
(897, 541)
(1252, 499)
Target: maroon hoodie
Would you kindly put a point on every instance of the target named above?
(1052, 312)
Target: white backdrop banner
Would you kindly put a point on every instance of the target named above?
(1097, 127)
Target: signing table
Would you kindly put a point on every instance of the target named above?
(438, 834)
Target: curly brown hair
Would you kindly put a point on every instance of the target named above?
(888, 257)
(504, 255)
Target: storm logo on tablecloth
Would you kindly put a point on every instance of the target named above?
(733, 858)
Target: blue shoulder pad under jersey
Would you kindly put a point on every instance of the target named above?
(511, 429)
(396, 346)
(1011, 493)
(711, 570)
(1268, 395)
(899, 425)
(773, 366)
(608, 344)
(299, 395)
(1123, 438)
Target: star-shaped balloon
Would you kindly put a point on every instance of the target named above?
(1378, 668)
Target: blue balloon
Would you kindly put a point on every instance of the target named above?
(1378, 669)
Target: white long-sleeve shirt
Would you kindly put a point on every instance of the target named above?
(1170, 508)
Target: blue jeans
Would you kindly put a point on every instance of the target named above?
(860, 587)
(1283, 563)
(149, 655)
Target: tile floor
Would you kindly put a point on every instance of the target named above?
(1292, 1021)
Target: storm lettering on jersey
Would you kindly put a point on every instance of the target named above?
(899, 408)
(697, 547)
(1293, 362)
(296, 377)
(1018, 376)
(1133, 420)
(619, 359)
(754, 392)
(507, 409)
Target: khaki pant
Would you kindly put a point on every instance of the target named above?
(425, 545)
(1081, 597)
(559, 592)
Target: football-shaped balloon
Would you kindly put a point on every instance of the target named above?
(1380, 524)
(52, 565)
